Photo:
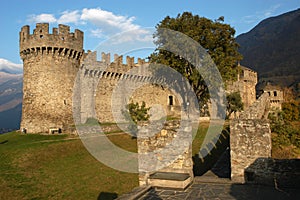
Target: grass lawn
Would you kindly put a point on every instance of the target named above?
(59, 167)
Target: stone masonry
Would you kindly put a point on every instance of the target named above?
(245, 84)
(104, 89)
(250, 138)
(165, 150)
(55, 62)
(51, 62)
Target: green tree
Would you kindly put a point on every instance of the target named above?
(137, 113)
(234, 103)
(216, 37)
(291, 110)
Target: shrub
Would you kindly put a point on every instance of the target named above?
(137, 113)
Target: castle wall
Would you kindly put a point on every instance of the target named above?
(166, 150)
(275, 96)
(51, 62)
(247, 80)
(106, 88)
(250, 138)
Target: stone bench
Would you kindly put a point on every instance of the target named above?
(170, 180)
(54, 129)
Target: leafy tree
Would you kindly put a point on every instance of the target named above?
(291, 110)
(234, 103)
(137, 113)
(282, 123)
(216, 37)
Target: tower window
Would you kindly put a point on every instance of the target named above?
(171, 100)
(275, 93)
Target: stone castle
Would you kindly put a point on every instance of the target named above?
(54, 61)
(51, 62)
(61, 79)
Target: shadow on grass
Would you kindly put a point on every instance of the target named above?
(107, 196)
(217, 160)
(5, 141)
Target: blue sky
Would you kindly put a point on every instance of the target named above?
(101, 19)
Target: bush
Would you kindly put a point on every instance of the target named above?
(286, 133)
(136, 113)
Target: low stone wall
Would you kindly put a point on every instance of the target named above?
(274, 172)
(165, 149)
(250, 138)
(258, 110)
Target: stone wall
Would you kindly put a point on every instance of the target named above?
(276, 96)
(51, 62)
(245, 84)
(106, 88)
(250, 138)
(55, 62)
(274, 172)
(258, 110)
(165, 150)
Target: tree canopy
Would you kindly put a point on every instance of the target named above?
(234, 103)
(216, 37)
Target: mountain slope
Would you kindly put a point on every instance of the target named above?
(272, 48)
(10, 101)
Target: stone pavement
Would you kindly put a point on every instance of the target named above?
(222, 190)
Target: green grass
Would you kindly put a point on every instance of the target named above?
(199, 138)
(36, 166)
(58, 167)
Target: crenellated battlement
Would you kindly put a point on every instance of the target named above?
(117, 65)
(60, 42)
(247, 75)
(51, 61)
(117, 70)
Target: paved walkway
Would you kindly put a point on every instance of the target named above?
(225, 190)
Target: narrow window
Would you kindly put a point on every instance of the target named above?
(275, 93)
(171, 100)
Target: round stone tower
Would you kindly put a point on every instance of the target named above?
(51, 62)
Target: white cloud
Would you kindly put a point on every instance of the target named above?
(42, 18)
(270, 11)
(98, 33)
(108, 21)
(109, 24)
(260, 15)
(99, 23)
(10, 67)
(70, 17)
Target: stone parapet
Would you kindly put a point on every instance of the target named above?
(166, 150)
(250, 138)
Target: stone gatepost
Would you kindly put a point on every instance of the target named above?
(250, 138)
(165, 151)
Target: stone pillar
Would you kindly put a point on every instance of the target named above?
(250, 139)
(165, 149)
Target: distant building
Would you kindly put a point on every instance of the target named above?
(245, 85)
(275, 95)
